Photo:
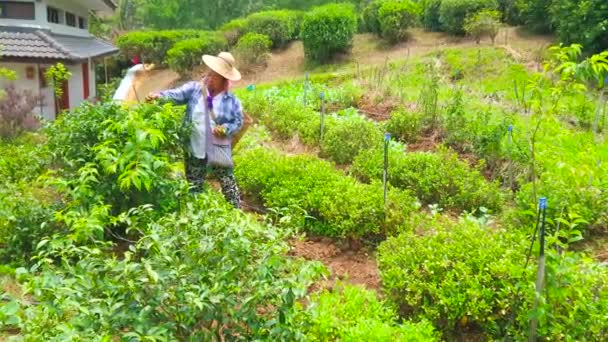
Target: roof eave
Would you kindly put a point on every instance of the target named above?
(111, 4)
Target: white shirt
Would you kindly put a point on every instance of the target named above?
(198, 139)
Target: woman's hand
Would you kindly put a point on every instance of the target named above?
(219, 131)
(152, 97)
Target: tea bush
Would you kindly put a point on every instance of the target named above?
(338, 206)
(202, 273)
(483, 23)
(26, 217)
(352, 313)
(153, 46)
(464, 274)
(453, 12)
(347, 136)
(328, 30)
(253, 49)
(279, 26)
(396, 17)
(234, 30)
(186, 54)
(404, 125)
(23, 159)
(435, 178)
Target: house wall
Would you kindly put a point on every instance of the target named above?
(74, 7)
(47, 109)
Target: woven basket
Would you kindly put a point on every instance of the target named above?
(247, 121)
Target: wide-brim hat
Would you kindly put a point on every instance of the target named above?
(223, 64)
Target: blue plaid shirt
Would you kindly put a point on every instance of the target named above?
(229, 113)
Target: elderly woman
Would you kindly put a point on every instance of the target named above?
(216, 115)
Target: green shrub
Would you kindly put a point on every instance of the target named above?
(234, 30)
(253, 49)
(186, 54)
(582, 22)
(405, 126)
(396, 17)
(483, 23)
(453, 12)
(463, 274)
(454, 273)
(535, 14)
(338, 205)
(370, 16)
(430, 15)
(328, 30)
(279, 26)
(348, 136)
(153, 46)
(23, 159)
(435, 178)
(26, 217)
(355, 314)
(190, 270)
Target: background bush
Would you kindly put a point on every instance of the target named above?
(253, 49)
(234, 30)
(396, 17)
(279, 26)
(452, 13)
(328, 30)
(582, 22)
(431, 14)
(483, 23)
(153, 46)
(186, 54)
(535, 14)
(370, 16)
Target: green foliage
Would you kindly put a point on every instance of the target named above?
(483, 23)
(583, 22)
(57, 75)
(405, 125)
(153, 46)
(234, 30)
(348, 136)
(337, 205)
(396, 17)
(202, 273)
(355, 314)
(370, 16)
(435, 178)
(454, 12)
(430, 14)
(26, 217)
(253, 49)
(187, 54)
(279, 26)
(464, 274)
(535, 14)
(328, 30)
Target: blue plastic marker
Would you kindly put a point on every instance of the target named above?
(387, 137)
(510, 128)
(251, 87)
(542, 203)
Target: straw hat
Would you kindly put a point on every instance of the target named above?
(223, 64)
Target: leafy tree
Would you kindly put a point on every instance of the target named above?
(454, 12)
(396, 17)
(430, 14)
(582, 22)
(483, 23)
(535, 14)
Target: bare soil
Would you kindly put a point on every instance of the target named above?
(355, 267)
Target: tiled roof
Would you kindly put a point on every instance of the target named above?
(39, 44)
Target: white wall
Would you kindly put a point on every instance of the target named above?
(48, 105)
(75, 86)
(41, 17)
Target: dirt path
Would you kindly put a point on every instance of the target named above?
(354, 267)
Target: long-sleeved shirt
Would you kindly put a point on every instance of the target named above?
(229, 111)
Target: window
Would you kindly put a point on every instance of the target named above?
(70, 19)
(17, 10)
(82, 23)
(52, 15)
